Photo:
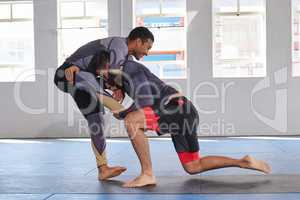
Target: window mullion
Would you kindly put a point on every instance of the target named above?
(238, 8)
(84, 9)
(11, 11)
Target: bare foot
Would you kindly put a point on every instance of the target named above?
(106, 172)
(252, 163)
(141, 181)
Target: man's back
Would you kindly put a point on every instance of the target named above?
(117, 46)
(144, 87)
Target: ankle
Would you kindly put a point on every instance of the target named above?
(242, 163)
(147, 173)
(102, 167)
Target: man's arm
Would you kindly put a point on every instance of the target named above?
(82, 58)
(138, 88)
(69, 73)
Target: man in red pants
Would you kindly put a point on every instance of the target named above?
(161, 108)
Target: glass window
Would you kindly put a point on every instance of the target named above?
(174, 7)
(147, 7)
(16, 41)
(166, 20)
(4, 11)
(239, 40)
(92, 9)
(80, 21)
(296, 38)
(71, 9)
(22, 10)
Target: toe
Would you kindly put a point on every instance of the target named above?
(126, 185)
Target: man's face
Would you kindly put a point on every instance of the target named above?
(141, 48)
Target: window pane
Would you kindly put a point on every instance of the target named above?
(174, 7)
(167, 58)
(244, 5)
(75, 32)
(175, 70)
(147, 7)
(22, 10)
(97, 8)
(72, 39)
(296, 38)
(4, 11)
(252, 5)
(164, 39)
(72, 9)
(16, 50)
(82, 23)
(239, 41)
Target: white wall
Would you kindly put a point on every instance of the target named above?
(232, 114)
(238, 111)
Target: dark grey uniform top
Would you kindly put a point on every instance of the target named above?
(83, 57)
(144, 87)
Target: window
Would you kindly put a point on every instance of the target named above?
(296, 38)
(80, 21)
(167, 21)
(239, 40)
(16, 41)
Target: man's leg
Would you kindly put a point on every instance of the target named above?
(93, 114)
(186, 143)
(135, 125)
(217, 162)
(90, 110)
(187, 146)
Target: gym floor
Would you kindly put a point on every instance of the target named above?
(55, 169)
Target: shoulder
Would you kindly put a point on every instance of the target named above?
(119, 40)
(114, 42)
(119, 43)
(132, 66)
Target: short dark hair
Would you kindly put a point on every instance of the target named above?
(103, 58)
(99, 60)
(141, 32)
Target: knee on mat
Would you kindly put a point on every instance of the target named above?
(193, 167)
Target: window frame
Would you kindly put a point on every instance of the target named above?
(60, 20)
(237, 13)
(182, 64)
(294, 61)
(11, 19)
